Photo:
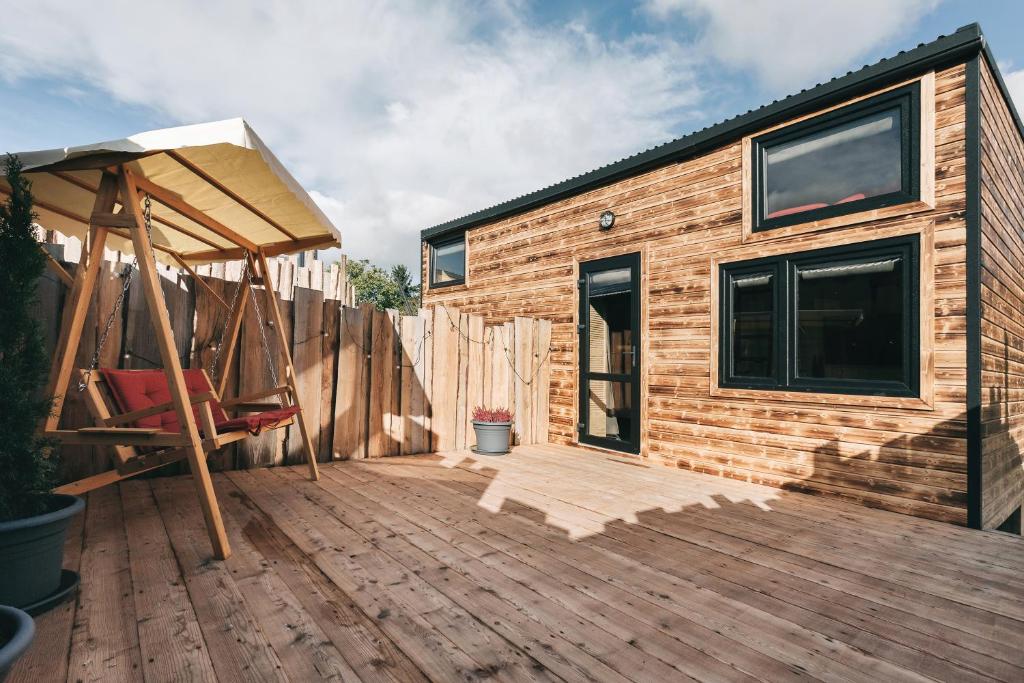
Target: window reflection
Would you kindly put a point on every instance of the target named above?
(849, 162)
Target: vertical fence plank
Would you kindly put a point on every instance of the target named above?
(307, 357)
(381, 385)
(253, 376)
(524, 368)
(462, 392)
(542, 381)
(396, 427)
(474, 373)
(329, 348)
(445, 379)
(350, 406)
(425, 377)
(411, 398)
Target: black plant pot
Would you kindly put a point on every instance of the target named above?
(32, 554)
(16, 632)
(492, 438)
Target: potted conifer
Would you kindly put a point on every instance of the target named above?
(493, 428)
(33, 521)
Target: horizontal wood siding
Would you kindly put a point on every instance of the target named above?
(680, 217)
(1002, 306)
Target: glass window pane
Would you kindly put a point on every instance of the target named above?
(610, 332)
(609, 410)
(449, 262)
(753, 315)
(850, 320)
(852, 161)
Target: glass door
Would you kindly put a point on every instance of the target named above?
(609, 332)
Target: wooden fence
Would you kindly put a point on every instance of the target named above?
(372, 383)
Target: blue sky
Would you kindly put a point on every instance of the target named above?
(399, 115)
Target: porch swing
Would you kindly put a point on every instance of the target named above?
(152, 418)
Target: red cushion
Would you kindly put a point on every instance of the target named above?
(851, 198)
(139, 389)
(256, 423)
(796, 209)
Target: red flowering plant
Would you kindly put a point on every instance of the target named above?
(481, 414)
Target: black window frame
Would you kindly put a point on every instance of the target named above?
(906, 98)
(433, 246)
(785, 319)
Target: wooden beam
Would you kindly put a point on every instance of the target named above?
(194, 450)
(230, 193)
(176, 203)
(78, 306)
(200, 281)
(58, 270)
(111, 220)
(275, 312)
(270, 250)
(156, 219)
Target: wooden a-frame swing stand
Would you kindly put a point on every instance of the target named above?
(120, 187)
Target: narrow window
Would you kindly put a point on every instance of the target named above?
(856, 158)
(752, 351)
(448, 262)
(839, 320)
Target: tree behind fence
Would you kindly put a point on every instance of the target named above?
(372, 383)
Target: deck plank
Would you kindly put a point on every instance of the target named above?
(552, 563)
(104, 640)
(47, 657)
(431, 630)
(581, 565)
(364, 646)
(241, 650)
(170, 640)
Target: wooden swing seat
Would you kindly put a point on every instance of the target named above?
(133, 413)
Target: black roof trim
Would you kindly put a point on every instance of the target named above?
(960, 46)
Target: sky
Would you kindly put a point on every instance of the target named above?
(397, 116)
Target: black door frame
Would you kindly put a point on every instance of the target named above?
(631, 261)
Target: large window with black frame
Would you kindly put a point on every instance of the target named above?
(836, 320)
(859, 157)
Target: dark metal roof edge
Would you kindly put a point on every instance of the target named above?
(965, 42)
(994, 67)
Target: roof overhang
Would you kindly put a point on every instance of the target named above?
(216, 190)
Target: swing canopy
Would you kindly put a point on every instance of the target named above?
(217, 191)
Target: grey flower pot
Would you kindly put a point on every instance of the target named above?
(32, 552)
(493, 438)
(16, 632)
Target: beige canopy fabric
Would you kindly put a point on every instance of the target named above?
(206, 181)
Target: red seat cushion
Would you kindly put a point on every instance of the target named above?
(140, 389)
(256, 423)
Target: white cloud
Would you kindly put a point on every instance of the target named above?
(400, 114)
(1015, 84)
(792, 43)
(404, 114)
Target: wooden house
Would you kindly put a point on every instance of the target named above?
(825, 294)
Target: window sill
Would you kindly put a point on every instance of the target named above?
(895, 211)
(832, 399)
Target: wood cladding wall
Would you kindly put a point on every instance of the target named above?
(681, 217)
(1002, 306)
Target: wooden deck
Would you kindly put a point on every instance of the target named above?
(548, 564)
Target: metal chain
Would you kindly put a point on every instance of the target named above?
(147, 214)
(271, 365)
(215, 361)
